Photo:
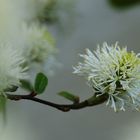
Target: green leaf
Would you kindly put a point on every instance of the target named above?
(69, 96)
(41, 83)
(11, 89)
(123, 4)
(26, 85)
(3, 101)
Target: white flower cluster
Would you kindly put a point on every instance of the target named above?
(38, 42)
(31, 41)
(114, 71)
(20, 27)
(11, 67)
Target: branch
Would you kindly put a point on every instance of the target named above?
(63, 107)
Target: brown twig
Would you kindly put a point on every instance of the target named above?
(63, 107)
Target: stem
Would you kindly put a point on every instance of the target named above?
(94, 100)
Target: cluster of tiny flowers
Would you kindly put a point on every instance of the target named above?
(114, 71)
(39, 42)
(11, 67)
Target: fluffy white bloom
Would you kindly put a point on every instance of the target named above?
(39, 44)
(11, 70)
(114, 71)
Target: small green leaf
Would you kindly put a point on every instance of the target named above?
(11, 89)
(69, 96)
(41, 83)
(26, 85)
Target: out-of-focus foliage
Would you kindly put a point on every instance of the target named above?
(61, 13)
(3, 106)
(124, 4)
(25, 84)
(54, 9)
(49, 13)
